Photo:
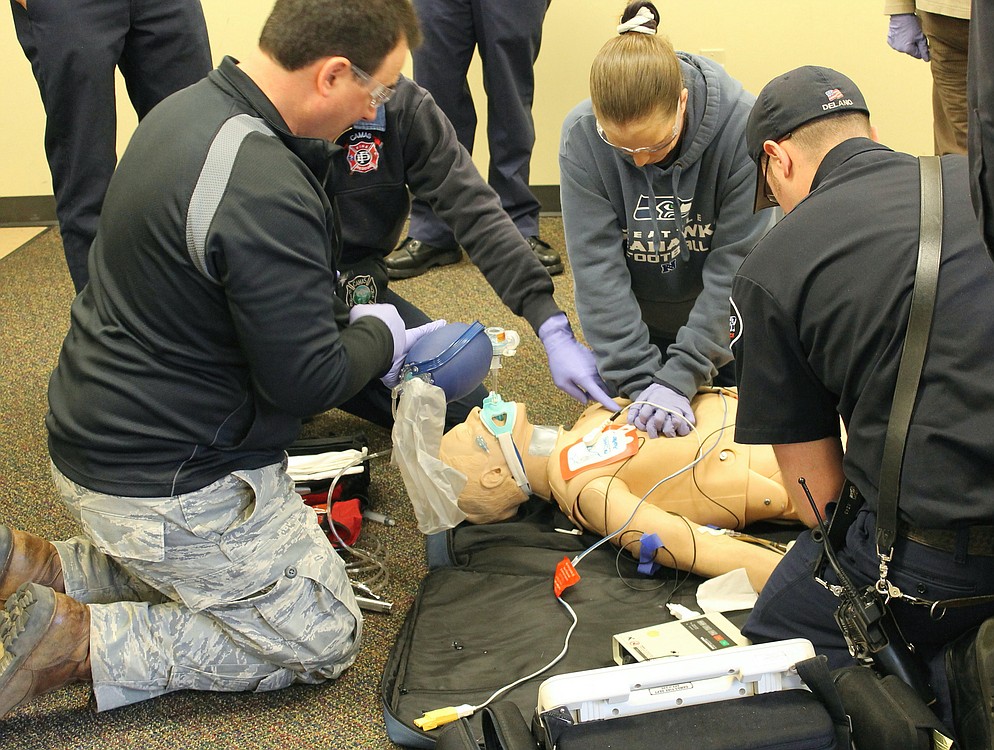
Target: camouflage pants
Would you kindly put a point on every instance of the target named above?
(231, 587)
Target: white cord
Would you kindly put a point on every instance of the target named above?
(381, 575)
(550, 665)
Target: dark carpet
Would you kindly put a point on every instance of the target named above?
(35, 295)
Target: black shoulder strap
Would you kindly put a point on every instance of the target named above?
(913, 356)
(818, 678)
(505, 729)
(457, 736)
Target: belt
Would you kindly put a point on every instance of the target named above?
(980, 539)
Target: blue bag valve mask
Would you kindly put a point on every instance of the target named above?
(456, 358)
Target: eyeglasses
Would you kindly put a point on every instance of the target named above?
(767, 190)
(648, 149)
(379, 93)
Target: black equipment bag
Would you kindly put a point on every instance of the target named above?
(785, 720)
(886, 712)
(353, 485)
(970, 671)
(486, 616)
(503, 729)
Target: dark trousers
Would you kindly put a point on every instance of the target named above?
(508, 36)
(374, 401)
(794, 605)
(160, 47)
(980, 133)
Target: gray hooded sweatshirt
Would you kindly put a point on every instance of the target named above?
(653, 249)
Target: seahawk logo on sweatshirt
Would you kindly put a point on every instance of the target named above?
(654, 235)
(665, 208)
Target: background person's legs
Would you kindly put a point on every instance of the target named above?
(948, 44)
(441, 62)
(166, 49)
(509, 44)
(73, 52)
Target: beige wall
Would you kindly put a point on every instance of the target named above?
(755, 39)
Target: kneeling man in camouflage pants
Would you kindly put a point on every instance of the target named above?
(208, 330)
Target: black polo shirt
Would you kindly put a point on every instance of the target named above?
(819, 313)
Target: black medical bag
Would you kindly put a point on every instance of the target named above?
(350, 495)
(785, 720)
(485, 616)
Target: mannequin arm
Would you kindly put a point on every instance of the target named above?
(820, 463)
(685, 547)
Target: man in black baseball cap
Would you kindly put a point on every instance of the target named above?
(789, 101)
(819, 311)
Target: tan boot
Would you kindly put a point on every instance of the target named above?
(44, 644)
(25, 557)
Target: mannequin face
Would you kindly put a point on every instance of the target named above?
(491, 494)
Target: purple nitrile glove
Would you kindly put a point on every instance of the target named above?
(665, 413)
(572, 365)
(905, 35)
(403, 337)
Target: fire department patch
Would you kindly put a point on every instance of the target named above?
(363, 156)
(360, 290)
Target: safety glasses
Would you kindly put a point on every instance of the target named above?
(648, 149)
(379, 93)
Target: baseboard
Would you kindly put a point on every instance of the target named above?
(27, 211)
(39, 210)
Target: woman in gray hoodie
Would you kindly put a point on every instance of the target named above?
(657, 197)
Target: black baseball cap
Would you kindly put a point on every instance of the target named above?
(789, 101)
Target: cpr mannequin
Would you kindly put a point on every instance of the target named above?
(732, 486)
